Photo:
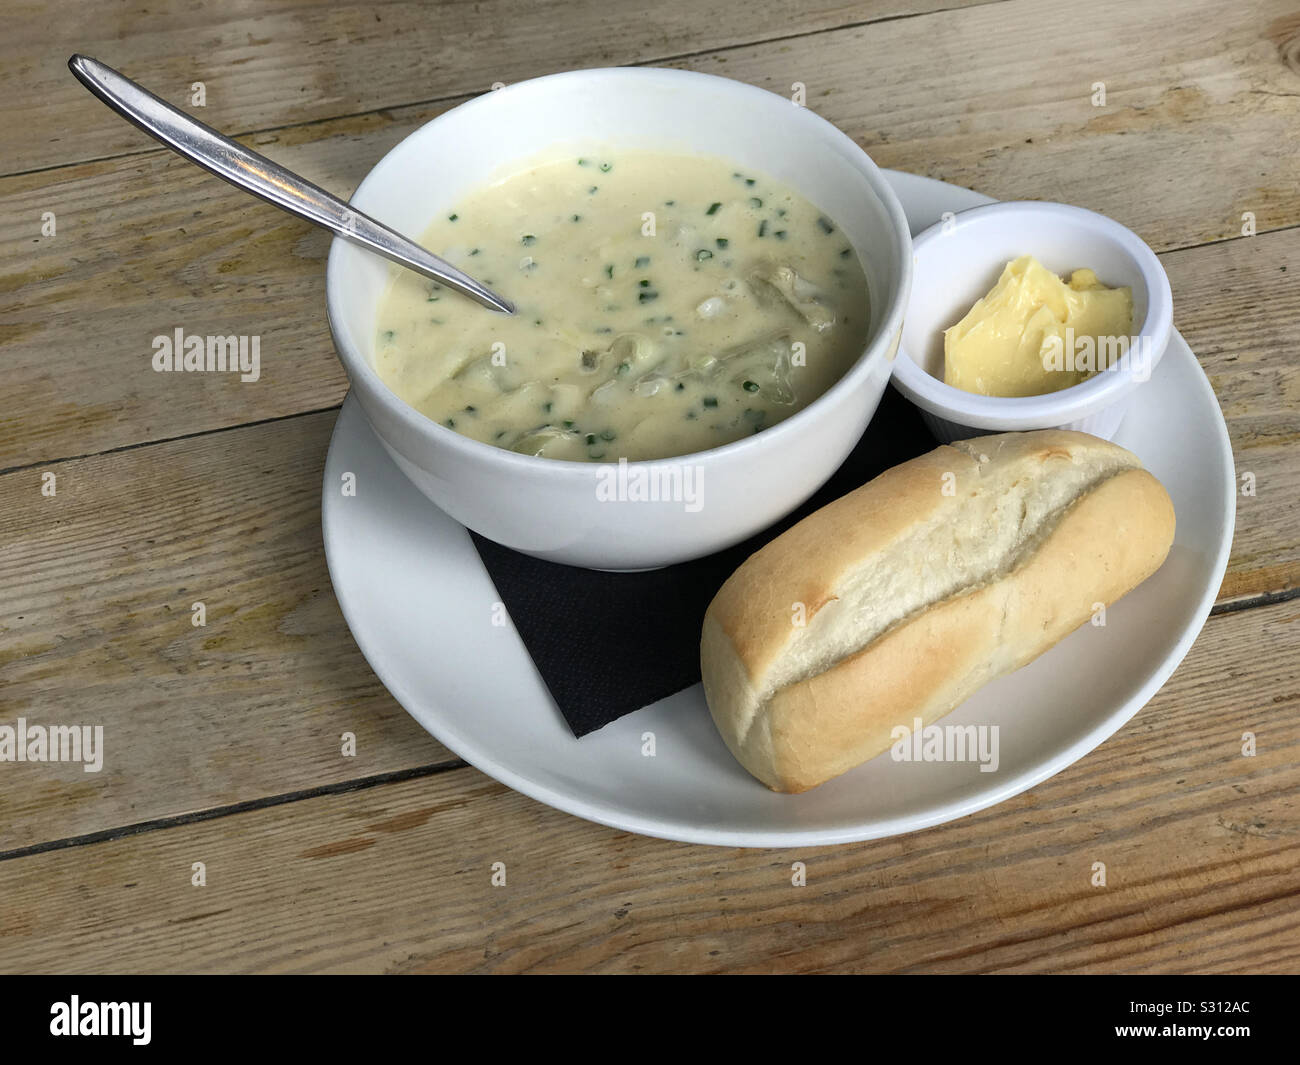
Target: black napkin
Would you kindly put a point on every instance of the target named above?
(610, 643)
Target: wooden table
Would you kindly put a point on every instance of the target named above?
(170, 489)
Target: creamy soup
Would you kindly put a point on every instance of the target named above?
(667, 304)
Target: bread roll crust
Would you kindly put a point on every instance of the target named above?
(930, 599)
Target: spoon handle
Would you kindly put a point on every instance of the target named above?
(256, 174)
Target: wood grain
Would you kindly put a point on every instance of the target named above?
(1201, 847)
(1237, 303)
(96, 628)
(271, 63)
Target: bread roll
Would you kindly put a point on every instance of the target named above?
(902, 598)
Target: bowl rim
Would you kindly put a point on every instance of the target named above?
(465, 447)
(1067, 404)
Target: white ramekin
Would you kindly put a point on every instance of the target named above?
(958, 260)
(556, 510)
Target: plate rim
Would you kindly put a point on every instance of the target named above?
(629, 821)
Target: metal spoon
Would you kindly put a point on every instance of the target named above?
(256, 174)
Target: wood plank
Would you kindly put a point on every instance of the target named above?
(1234, 302)
(1238, 305)
(1001, 99)
(147, 244)
(1201, 847)
(269, 63)
(96, 628)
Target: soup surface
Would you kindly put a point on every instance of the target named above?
(666, 304)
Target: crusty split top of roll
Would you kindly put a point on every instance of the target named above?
(899, 600)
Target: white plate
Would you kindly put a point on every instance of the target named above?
(420, 604)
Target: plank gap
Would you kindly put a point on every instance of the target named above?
(343, 787)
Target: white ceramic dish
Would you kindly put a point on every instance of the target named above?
(550, 508)
(419, 603)
(957, 260)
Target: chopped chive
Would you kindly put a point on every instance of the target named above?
(710, 401)
(846, 253)
(722, 242)
(577, 218)
(605, 168)
(825, 224)
(596, 454)
(762, 228)
(528, 240)
(703, 254)
(568, 423)
(546, 407)
(473, 251)
(452, 217)
(642, 261)
(713, 208)
(681, 387)
(749, 181)
(592, 189)
(779, 234)
(646, 297)
(754, 201)
(591, 439)
(609, 271)
(583, 162)
(750, 386)
(623, 367)
(389, 334)
(607, 434)
(451, 423)
(471, 408)
(644, 283)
